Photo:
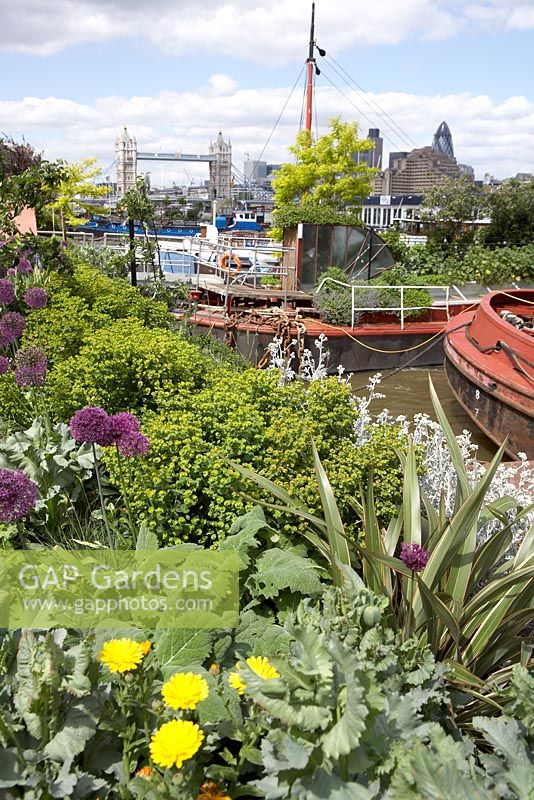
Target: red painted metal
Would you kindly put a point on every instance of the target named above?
(309, 94)
(490, 368)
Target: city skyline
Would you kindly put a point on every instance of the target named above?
(176, 74)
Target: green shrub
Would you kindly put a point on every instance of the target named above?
(335, 302)
(186, 490)
(116, 298)
(123, 366)
(477, 263)
(61, 327)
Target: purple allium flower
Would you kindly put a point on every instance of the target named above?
(30, 366)
(92, 424)
(11, 271)
(4, 365)
(414, 556)
(7, 292)
(12, 326)
(24, 267)
(18, 495)
(133, 444)
(122, 424)
(35, 297)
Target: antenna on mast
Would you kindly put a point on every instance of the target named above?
(311, 69)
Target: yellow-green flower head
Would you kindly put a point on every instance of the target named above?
(175, 742)
(260, 665)
(122, 655)
(184, 690)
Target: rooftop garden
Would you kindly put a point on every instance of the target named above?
(385, 587)
(386, 578)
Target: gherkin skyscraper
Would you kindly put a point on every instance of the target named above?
(442, 141)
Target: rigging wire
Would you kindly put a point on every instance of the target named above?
(279, 118)
(358, 108)
(383, 114)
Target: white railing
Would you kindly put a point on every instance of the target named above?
(402, 308)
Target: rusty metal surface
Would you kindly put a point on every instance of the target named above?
(498, 419)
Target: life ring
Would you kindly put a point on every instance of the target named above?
(225, 261)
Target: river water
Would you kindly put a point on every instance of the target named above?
(407, 392)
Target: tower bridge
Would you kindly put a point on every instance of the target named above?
(219, 160)
(173, 157)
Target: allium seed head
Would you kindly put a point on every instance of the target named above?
(133, 444)
(24, 267)
(93, 425)
(7, 292)
(18, 495)
(35, 297)
(30, 366)
(414, 556)
(123, 423)
(12, 325)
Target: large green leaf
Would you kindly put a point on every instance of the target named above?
(277, 570)
(78, 729)
(176, 649)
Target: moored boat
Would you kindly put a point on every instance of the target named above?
(489, 363)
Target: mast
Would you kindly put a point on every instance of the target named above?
(310, 68)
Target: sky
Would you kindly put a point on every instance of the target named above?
(175, 72)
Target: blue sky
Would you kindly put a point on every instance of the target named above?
(176, 72)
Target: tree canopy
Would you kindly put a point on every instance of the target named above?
(512, 214)
(74, 189)
(449, 205)
(326, 171)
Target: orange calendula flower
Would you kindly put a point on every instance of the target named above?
(175, 742)
(121, 655)
(260, 665)
(184, 690)
(210, 791)
(146, 647)
(145, 772)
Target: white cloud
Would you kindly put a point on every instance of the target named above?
(253, 29)
(493, 137)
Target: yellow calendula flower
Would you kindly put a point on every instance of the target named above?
(210, 791)
(175, 742)
(121, 655)
(184, 690)
(260, 665)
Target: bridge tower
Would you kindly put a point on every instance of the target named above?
(221, 169)
(126, 158)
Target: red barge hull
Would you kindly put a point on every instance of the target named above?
(376, 344)
(489, 364)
